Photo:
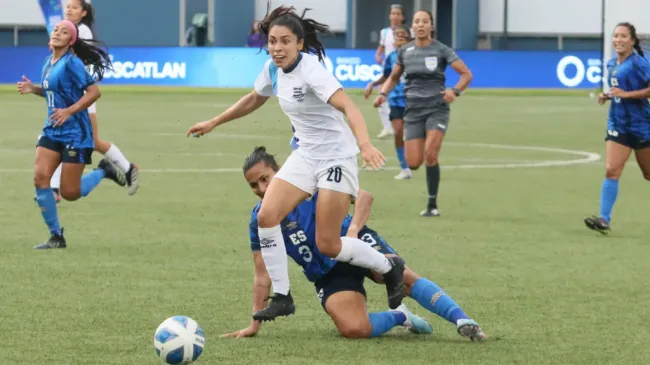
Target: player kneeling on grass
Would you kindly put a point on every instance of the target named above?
(339, 285)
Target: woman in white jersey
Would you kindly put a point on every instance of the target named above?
(83, 15)
(385, 48)
(426, 117)
(325, 160)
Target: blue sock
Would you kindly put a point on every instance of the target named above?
(91, 180)
(401, 157)
(608, 196)
(383, 322)
(430, 296)
(46, 202)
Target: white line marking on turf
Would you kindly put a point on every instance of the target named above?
(585, 158)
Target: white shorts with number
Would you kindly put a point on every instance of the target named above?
(309, 175)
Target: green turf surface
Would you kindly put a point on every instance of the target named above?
(510, 247)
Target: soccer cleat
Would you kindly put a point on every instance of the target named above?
(404, 175)
(470, 329)
(133, 179)
(430, 213)
(281, 305)
(385, 133)
(394, 280)
(415, 323)
(112, 172)
(598, 224)
(55, 241)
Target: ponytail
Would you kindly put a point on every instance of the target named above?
(89, 19)
(305, 29)
(90, 52)
(637, 47)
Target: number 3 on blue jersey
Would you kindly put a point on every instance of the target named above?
(299, 238)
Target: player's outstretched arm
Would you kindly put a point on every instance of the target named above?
(362, 208)
(244, 106)
(27, 87)
(261, 291)
(369, 153)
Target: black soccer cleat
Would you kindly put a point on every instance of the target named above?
(281, 305)
(394, 280)
(112, 172)
(55, 241)
(133, 178)
(598, 224)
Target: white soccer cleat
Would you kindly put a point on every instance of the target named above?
(414, 323)
(385, 133)
(470, 329)
(404, 175)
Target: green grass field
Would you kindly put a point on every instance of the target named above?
(510, 247)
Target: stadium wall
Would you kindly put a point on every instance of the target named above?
(213, 67)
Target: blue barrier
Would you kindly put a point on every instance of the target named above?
(238, 67)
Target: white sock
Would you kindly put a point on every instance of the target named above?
(55, 182)
(118, 158)
(358, 253)
(384, 116)
(275, 258)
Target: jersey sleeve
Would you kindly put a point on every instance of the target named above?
(78, 73)
(388, 65)
(263, 83)
(320, 81)
(642, 69)
(382, 37)
(85, 32)
(252, 232)
(449, 55)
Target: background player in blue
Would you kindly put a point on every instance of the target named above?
(339, 285)
(396, 99)
(628, 125)
(67, 135)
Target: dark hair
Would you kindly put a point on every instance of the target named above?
(260, 155)
(637, 42)
(304, 28)
(89, 19)
(433, 31)
(91, 53)
(401, 8)
(405, 28)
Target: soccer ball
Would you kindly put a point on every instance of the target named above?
(179, 340)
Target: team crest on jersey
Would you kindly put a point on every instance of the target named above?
(431, 63)
(298, 94)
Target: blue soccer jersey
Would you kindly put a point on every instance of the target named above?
(396, 98)
(299, 232)
(631, 116)
(64, 83)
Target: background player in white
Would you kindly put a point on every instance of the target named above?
(386, 47)
(83, 15)
(325, 160)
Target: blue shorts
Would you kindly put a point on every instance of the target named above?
(68, 153)
(346, 277)
(634, 138)
(396, 112)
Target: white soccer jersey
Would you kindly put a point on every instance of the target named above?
(387, 39)
(84, 31)
(320, 130)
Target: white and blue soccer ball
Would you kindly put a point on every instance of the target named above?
(179, 340)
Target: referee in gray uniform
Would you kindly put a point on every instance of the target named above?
(427, 100)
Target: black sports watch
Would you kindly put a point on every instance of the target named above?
(456, 91)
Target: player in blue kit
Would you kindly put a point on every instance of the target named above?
(396, 98)
(339, 285)
(628, 125)
(67, 136)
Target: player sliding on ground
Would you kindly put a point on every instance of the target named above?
(339, 285)
(325, 160)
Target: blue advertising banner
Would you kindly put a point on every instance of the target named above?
(52, 13)
(238, 67)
